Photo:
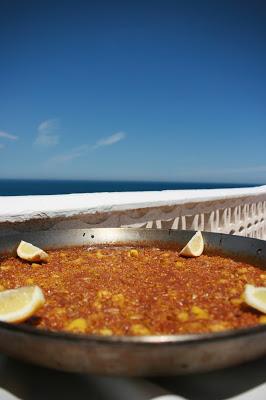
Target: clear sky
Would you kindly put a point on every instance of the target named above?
(150, 90)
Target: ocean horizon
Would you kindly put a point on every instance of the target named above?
(23, 187)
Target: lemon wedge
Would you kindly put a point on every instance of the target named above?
(16, 305)
(28, 252)
(255, 297)
(195, 247)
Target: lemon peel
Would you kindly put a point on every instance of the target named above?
(17, 305)
(29, 252)
(195, 247)
(255, 297)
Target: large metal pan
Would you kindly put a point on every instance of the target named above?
(135, 356)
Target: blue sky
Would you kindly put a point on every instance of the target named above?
(149, 90)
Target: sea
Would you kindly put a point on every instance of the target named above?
(23, 187)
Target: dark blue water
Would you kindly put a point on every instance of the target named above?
(15, 187)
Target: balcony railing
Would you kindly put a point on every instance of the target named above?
(235, 211)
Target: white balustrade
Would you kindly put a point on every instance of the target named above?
(235, 211)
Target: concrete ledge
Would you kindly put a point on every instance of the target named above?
(23, 208)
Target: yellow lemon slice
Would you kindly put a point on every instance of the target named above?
(255, 297)
(16, 305)
(28, 252)
(195, 247)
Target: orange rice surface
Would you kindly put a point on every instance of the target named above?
(136, 291)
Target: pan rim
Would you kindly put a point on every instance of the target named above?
(147, 340)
